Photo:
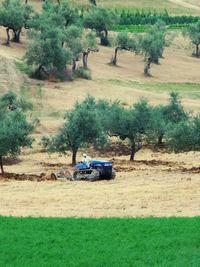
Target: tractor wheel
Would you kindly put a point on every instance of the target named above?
(94, 176)
(75, 174)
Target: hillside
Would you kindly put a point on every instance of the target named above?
(174, 7)
(153, 176)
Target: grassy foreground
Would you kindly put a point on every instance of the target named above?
(99, 242)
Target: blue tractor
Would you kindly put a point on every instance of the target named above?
(96, 170)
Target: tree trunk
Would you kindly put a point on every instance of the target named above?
(93, 2)
(26, 2)
(114, 60)
(16, 36)
(197, 50)
(85, 57)
(133, 151)
(104, 37)
(147, 67)
(106, 33)
(1, 165)
(74, 152)
(160, 140)
(74, 65)
(8, 36)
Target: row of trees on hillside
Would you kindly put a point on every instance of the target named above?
(150, 44)
(94, 122)
(61, 36)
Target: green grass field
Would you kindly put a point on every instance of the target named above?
(144, 28)
(70, 242)
(190, 90)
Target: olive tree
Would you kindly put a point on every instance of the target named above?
(174, 111)
(164, 117)
(47, 52)
(81, 43)
(152, 45)
(14, 15)
(185, 135)
(101, 20)
(89, 45)
(82, 127)
(131, 124)
(124, 41)
(194, 34)
(15, 130)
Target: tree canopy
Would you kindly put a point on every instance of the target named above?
(14, 15)
(58, 40)
(101, 20)
(82, 127)
(185, 135)
(15, 130)
(124, 41)
(152, 45)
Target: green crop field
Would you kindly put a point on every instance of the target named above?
(99, 242)
(143, 28)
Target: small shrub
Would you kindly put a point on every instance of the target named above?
(24, 68)
(83, 73)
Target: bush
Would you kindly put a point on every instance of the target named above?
(24, 68)
(83, 73)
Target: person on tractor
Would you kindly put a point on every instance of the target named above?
(86, 160)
